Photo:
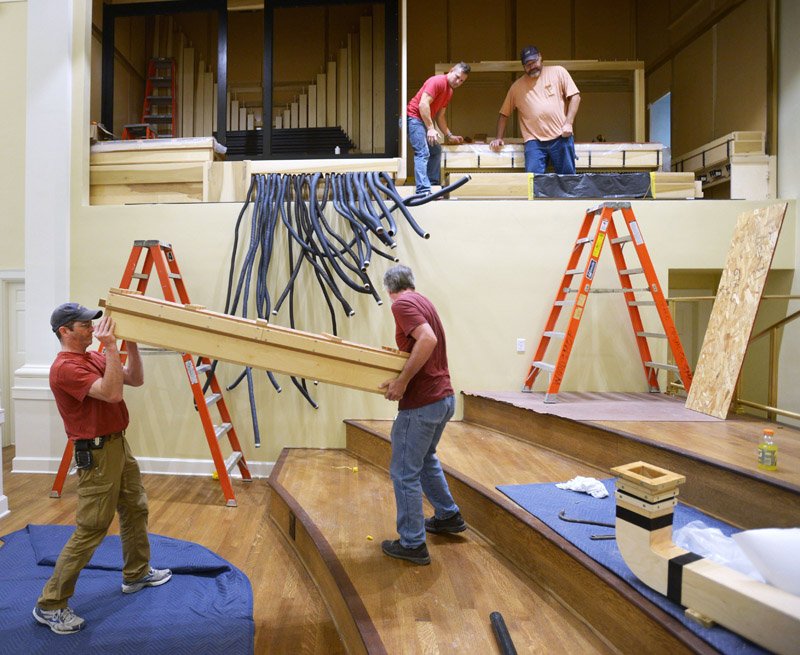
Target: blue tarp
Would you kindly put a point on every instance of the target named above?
(545, 501)
(207, 606)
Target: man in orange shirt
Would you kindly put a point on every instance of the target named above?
(546, 100)
(426, 111)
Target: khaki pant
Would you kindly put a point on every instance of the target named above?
(112, 483)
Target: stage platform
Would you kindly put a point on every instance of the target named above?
(335, 507)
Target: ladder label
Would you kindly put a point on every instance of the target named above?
(590, 269)
(581, 300)
(637, 235)
(599, 245)
(577, 313)
(191, 371)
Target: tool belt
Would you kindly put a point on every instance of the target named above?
(84, 448)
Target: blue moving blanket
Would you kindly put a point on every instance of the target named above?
(207, 606)
(545, 501)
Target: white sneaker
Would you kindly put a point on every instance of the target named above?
(154, 578)
(61, 621)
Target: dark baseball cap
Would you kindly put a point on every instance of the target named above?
(72, 311)
(529, 53)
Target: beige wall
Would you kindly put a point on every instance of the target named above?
(490, 267)
(13, 25)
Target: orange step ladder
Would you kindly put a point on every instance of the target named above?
(606, 231)
(160, 104)
(161, 256)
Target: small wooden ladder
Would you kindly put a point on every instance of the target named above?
(607, 231)
(161, 256)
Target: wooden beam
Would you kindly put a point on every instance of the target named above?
(187, 112)
(378, 78)
(330, 112)
(251, 342)
(322, 103)
(365, 84)
(312, 105)
(341, 90)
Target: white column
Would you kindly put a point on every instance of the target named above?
(3, 497)
(49, 92)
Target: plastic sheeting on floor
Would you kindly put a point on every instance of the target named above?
(207, 606)
(545, 501)
(593, 185)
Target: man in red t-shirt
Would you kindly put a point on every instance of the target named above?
(87, 387)
(426, 405)
(425, 111)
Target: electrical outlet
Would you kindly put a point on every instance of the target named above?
(520, 345)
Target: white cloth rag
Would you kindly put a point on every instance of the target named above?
(591, 486)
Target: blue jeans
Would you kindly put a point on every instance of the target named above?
(560, 152)
(427, 158)
(415, 468)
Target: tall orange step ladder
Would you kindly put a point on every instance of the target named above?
(161, 256)
(606, 231)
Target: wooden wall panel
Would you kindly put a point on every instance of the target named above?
(427, 38)
(548, 26)
(208, 104)
(609, 114)
(692, 106)
(199, 98)
(477, 30)
(378, 78)
(652, 24)
(733, 315)
(299, 39)
(604, 30)
(365, 84)
(741, 80)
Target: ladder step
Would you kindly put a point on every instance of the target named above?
(232, 460)
(641, 303)
(574, 271)
(213, 398)
(159, 99)
(631, 271)
(204, 368)
(564, 303)
(666, 367)
(554, 334)
(654, 335)
(610, 290)
(624, 239)
(222, 429)
(580, 242)
(175, 276)
(158, 118)
(544, 366)
(141, 276)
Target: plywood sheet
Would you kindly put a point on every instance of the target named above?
(734, 312)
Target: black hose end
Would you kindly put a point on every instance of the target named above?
(366, 265)
(379, 301)
(427, 235)
(352, 312)
(274, 312)
(258, 444)
(315, 382)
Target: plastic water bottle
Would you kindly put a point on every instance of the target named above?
(767, 452)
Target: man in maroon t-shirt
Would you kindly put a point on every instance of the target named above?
(425, 111)
(426, 405)
(87, 387)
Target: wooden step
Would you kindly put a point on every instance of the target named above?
(475, 460)
(717, 457)
(336, 518)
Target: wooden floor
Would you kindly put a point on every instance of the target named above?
(441, 608)
(289, 614)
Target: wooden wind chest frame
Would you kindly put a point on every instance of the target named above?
(256, 343)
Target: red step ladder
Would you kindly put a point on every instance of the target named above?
(160, 104)
(606, 231)
(161, 256)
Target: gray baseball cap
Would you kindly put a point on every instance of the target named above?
(72, 311)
